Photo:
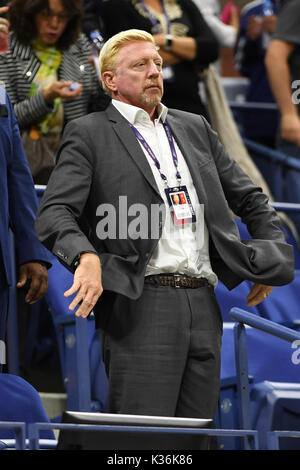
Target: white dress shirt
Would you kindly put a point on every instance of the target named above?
(181, 249)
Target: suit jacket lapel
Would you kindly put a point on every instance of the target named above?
(25, 55)
(127, 137)
(184, 143)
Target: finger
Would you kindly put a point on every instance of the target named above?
(254, 291)
(37, 293)
(261, 295)
(67, 94)
(65, 84)
(77, 299)
(4, 9)
(255, 301)
(4, 26)
(38, 289)
(34, 288)
(87, 305)
(85, 308)
(22, 277)
(74, 288)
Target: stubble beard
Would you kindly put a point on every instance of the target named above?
(150, 101)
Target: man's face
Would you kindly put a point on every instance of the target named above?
(137, 78)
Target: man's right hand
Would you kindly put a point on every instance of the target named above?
(87, 285)
(290, 128)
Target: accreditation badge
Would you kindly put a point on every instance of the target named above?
(180, 204)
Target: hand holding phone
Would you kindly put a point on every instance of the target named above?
(73, 86)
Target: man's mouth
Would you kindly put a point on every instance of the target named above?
(153, 86)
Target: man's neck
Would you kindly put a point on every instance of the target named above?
(153, 114)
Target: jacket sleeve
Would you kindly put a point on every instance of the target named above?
(22, 200)
(244, 198)
(58, 220)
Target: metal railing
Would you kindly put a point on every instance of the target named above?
(242, 318)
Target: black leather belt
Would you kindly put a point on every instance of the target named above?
(177, 280)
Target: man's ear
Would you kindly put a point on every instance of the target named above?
(108, 78)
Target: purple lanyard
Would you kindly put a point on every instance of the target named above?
(151, 153)
(153, 20)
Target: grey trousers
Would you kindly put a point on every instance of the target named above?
(162, 353)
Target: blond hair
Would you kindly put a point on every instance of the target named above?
(109, 52)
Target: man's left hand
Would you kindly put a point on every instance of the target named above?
(37, 274)
(258, 293)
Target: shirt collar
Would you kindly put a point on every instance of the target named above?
(134, 115)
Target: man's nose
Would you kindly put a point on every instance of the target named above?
(153, 69)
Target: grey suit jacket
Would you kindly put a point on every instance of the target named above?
(100, 159)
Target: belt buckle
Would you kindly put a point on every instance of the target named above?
(177, 281)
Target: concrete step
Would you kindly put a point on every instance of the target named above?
(54, 403)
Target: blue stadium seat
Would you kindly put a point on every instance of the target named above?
(235, 88)
(276, 406)
(259, 352)
(291, 190)
(281, 172)
(20, 402)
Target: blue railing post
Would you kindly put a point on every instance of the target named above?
(19, 429)
(241, 361)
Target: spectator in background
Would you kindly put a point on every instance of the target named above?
(47, 54)
(92, 17)
(283, 66)
(257, 23)
(18, 208)
(186, 43)
(226, 34)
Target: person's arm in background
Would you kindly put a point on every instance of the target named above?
(225, 25)
(32, 258)
(30, 110)
(225, 34)
(250, 49)
(277, 65)
(202, 46)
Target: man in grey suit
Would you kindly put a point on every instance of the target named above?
(139, 207)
